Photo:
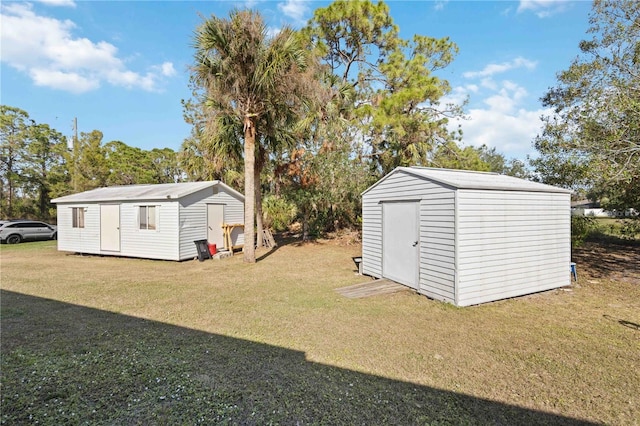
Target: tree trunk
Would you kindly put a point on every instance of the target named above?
(305, 228)
(44, 192)
(249, 189)
(258, 188)
(10, 200)
(10, 183)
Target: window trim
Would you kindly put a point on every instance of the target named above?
(77, 217)
(150, 218)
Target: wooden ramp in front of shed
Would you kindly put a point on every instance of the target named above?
(372, 288)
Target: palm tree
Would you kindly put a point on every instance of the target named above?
(245, 74)
(214, 152)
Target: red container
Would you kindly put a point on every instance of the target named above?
(212, 249)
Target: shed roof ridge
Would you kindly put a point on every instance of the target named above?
(453, 170)
(471, 179)
(128, 192)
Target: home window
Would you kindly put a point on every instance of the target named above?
(148, 217)
(77, 214)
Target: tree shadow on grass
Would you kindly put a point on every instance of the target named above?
(63, 363)
(624, 323)
(609, 261)
(281, 240)
(284, 239)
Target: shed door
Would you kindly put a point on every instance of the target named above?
(400, 242)
(110, 227)
(215, 219)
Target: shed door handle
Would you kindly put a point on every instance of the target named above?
(415, 243)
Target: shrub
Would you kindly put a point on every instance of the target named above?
(630, 228)
(581, 227)
(278, 213)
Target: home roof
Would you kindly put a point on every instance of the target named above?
(466, 179)
(162, 191)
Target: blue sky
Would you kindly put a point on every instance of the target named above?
(122, 67)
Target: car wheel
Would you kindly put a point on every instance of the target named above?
(14, 239)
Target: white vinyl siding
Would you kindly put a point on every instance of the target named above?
(437, 265)
(372, 237)
(193, 217)
(178, 222)
(483, 237)
(160, 243)
(437, 243)
(511, 243)
(80, 240)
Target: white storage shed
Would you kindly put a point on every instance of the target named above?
(466, 237)
(159, 221)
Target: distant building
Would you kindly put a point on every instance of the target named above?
(593, 209)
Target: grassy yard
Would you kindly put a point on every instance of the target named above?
(103, 340)
(612, 228)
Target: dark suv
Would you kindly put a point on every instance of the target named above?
(16, 231)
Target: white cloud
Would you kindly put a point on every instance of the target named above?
(492, 69)
(295, 9)
(506, 12)
(459, 95)
(499, 120)
(69, 81)
(130, 79)
(65, 3)
(543, 8)
(54, 58)
(251, 4)
(472, 88)
(510, 133)
(167, 69)
(507, 98)
(273, 31)
(488, 83)
(439, 4)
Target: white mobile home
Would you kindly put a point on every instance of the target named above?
(150, 221)
(466, 237)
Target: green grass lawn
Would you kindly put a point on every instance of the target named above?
(105, 340)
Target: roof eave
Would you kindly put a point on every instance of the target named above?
(414, 172)
(169, 196)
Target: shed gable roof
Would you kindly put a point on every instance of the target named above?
(466, 179)
(162, 191)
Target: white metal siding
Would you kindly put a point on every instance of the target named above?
(437, 208)
(193, 218)
(511, 243)
(151, 244)
(437, 242)
(159, 243)
(371, 236)
(179, 224)
(79, 240)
